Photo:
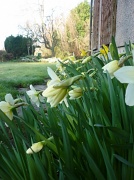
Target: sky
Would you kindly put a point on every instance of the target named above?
(15, 13)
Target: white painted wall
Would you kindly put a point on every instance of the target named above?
(124, 22)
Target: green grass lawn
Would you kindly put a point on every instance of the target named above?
(14, 75)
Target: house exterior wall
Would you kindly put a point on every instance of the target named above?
(112, 18)
(124, 22)
(104, 22)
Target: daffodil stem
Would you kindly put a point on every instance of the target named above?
(49, 139)
(96, 54)
(121, 62)
(19, 104)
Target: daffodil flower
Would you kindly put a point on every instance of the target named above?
(54, 96)
(104, 50)
(57, 90)
(83, 53)
(36, 147)
(7, 106)
(126, 75)
(35, 96)
(111, 67)
(75, 93)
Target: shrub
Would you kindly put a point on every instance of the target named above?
(8, 56)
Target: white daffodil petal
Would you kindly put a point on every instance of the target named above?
(53, 82)
(9, 114)
(30, 92)
(125, 74)
(5, 106)
(52, 74)
(65, 101)
(9, 99)
(129, 99)
(37, 103)
(41, 98)
(32, 88)
(34, 98)
(50, 99)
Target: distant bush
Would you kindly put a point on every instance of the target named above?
(8, 56)
(1, 55)
(29, 58)
(18, 46)
(4, 56)
(2, 52)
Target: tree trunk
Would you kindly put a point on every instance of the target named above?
(53, 52)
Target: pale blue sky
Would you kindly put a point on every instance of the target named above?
(16, 12)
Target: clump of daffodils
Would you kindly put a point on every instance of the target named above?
(75, 93)
(35, 96)
(9, 105)
(57, 90)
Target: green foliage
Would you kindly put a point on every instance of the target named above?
(77, 29)
(18, 45)
(92, 137)
(81, 15)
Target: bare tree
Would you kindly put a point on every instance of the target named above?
(45, 31)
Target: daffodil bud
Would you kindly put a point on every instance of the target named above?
(111, 67)
(72, 58)
(75, 93)
(36, 147)
(87, 59)
(68, 82)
